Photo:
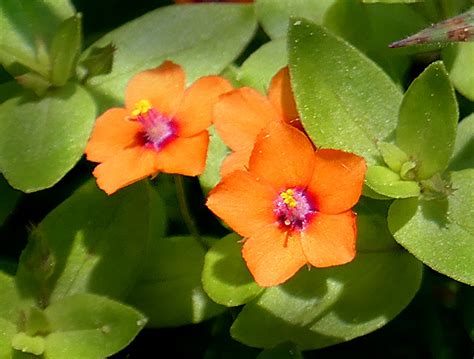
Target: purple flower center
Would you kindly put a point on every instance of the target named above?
(293, 209)
(158, 129)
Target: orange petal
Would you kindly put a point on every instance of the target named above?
(196, 110)
(238, 160)
(162, 86)
(273, 256)
(330, 240)
(184, 155)
(240, 115)
(126, 167)
(112, 133)
(244, 203)
(281, 95)
(283, 156)
(337, 180)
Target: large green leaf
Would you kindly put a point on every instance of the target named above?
(28, 26)
(204, 39)
(463, 155)
(274, 15)
(459, 59)
(169, 290)
(339, 107)
(440, 232)
(322, 307)
(42, 139)
(371, 28)
(90, 243)
(225, 277)
(428, 119)
(259, 68)
(9, 199)
(90, 326)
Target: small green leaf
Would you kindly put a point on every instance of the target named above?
(225, 276)
(339, 107)
(463, 156)
(43, 139)
(26, 27)
(216, 153)
(28, 344)
(6, 335)
(34, 82)
(391, 1)
(388, 183)
(99, 61)
(282, 351)
(210, 37)
(428, 118)
(11, 302)
(9, 199)
(459, 61)
(392, 155)
(81, 244)
(274, 15)
(263, 64)
(440, 232)
(90, 326)
(65, 49)
(169, 290)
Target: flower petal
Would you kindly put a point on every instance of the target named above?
(112, 133)
(162, 86)
(244, 203)
(196, 110)
(273, 256)
(281, 96)
(126, 167)
(240, 115)
(337, 180)
(238, 160)
(283, 156)
(330, 240)
(184, 155)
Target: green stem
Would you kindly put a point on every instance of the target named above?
(185, 212)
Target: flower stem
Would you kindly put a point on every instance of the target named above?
(185, 212)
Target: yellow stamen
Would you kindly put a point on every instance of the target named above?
(141, 107)
(288, 198)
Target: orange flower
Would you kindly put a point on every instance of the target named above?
(293, 205)
(240, 115)
(163, 128)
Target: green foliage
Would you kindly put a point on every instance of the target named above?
(459, 60)
(464, 146)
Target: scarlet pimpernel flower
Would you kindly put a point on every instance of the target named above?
(163, 128)
(240, 115)
(292, 205)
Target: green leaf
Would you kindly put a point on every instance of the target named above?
(99, 61)
(90, 326)
(338, 106)
(80, 246)
(44, 138)
(274, 15)
(210, 37)
(34, 82)
(391, 1)
(11, 302)
(225, 276)
(392, 156)
(463, 155)
(388, 183)
(459, 59)
(27, 27)
(6, 335)
(371, 28)
(259, 68)
(28, 344)
(428, 118)
(440, 232)
(322, 307)
(216, 153)
(169, 290)
(65, 49)
(282, 351)
(9, 199)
